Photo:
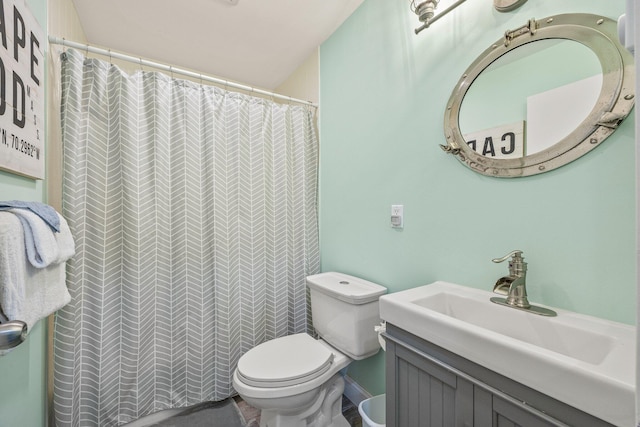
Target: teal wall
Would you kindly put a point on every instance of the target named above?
(383, 92)
(23, 370)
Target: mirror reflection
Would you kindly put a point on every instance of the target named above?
(530, 98)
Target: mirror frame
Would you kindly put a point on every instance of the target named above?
(615, 102)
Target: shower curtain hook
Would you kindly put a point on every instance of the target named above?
(63, 55)
(110, 58)
(140, 62)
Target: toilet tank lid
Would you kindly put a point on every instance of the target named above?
(346, 288)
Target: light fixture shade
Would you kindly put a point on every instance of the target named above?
(425, 9)
(507, 5)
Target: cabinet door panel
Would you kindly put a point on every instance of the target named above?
(507, 414)
(503, 422)
(428, 395)
(482, 408)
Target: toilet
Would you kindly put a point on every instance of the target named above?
(297, 380)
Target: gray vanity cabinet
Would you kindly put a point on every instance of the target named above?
(428, 386)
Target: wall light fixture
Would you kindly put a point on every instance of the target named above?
(426, 11)
(427, 14)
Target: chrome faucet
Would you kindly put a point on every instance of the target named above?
(514, 286)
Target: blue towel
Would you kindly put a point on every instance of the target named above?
(46, 212)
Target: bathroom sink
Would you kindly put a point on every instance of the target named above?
(586, 362)
(588, 345)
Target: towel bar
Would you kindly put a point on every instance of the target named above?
(12, 333)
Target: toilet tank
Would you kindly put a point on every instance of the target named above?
(344, 311)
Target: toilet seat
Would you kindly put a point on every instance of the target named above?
(286, 361)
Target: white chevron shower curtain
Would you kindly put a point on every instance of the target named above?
(195, 219)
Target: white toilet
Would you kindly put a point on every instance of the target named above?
(297, 381)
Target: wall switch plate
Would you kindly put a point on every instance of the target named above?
(397, 216)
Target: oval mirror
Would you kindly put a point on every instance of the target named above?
(542, 96)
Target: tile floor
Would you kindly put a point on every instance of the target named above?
(252, 415)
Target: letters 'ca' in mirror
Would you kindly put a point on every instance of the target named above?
(541, 97)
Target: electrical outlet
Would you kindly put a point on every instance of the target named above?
(397, 216)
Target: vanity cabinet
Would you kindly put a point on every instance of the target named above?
(428, 386)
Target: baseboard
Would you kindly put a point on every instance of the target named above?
(354, 392)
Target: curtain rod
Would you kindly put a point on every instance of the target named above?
(172, 69)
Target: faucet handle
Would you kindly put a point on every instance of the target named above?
(517, 266)
(517, 255)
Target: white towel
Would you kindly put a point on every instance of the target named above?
(27, 293)
(43, 246)
(64, 239)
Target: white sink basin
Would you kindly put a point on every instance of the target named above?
(586, 362)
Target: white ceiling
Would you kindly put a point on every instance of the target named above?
(255, 42)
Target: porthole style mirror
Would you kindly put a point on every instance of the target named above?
(540, 97)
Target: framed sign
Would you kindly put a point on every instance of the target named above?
(502, 142)
(21, 90)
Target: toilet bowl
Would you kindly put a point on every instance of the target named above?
(297, 380)
(306, 392)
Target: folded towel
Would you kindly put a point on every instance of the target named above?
(46, 212)
(39, 240)
(27, 293)
(42, 245)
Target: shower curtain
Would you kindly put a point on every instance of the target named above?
(194, 211)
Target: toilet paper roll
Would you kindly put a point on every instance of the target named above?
(382, 327)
